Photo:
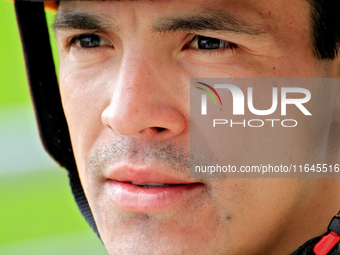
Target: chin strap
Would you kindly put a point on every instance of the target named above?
(327, 242)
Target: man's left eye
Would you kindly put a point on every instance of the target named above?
(208, 43)
(89, 41)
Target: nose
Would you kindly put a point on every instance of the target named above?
(145, 101)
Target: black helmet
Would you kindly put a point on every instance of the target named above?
(45, 94)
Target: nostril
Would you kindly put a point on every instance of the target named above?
(159, 129)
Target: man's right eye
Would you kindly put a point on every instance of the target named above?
(89, 41)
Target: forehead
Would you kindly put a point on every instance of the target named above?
(265, 15)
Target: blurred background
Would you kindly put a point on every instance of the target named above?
(38, 214)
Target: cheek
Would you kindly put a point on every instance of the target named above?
(85, 94)
(253, 207)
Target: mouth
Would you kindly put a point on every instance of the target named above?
(154, 185)
(159, 192)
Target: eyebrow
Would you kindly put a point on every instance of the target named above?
(81, 21)
(210, 21)
(213, 21)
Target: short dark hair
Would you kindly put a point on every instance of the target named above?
(325, 20)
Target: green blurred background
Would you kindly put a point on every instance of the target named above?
(37, 212)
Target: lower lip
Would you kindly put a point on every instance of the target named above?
(132, 197)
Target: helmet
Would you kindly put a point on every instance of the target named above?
(45, 94)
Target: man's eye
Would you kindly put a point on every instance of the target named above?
(208, 43)
(89, 41)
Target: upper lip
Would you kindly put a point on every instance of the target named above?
(146, 175)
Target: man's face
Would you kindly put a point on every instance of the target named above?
(125, 70)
